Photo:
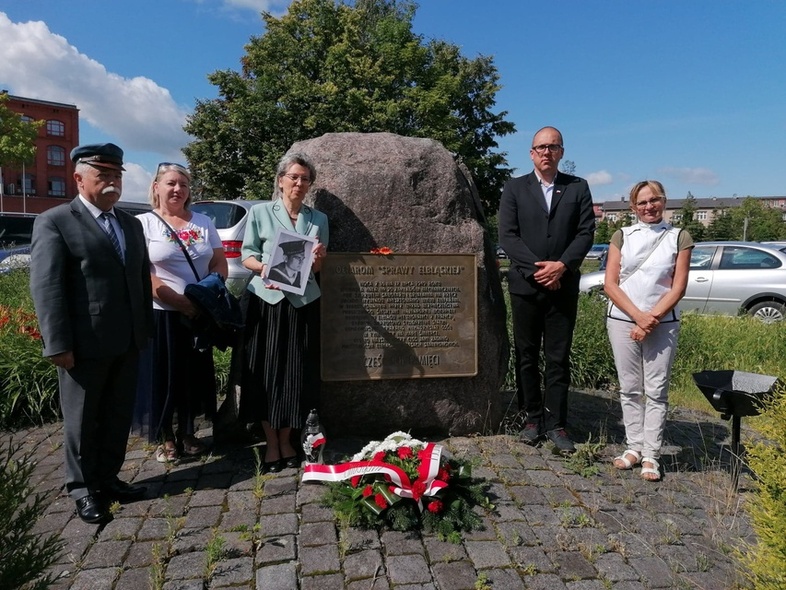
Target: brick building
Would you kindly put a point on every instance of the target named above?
(49, 180)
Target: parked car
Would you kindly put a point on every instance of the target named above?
(230, 218)
(16, 233)
(729, 277)
(597, 251)
(133, 207)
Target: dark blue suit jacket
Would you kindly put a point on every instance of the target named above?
(530, 233)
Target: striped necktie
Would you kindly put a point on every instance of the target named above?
(110, 231)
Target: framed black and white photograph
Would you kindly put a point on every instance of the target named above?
(290, 263)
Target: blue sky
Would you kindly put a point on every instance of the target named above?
(691, 93)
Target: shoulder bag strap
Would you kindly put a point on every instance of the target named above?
(180, 243)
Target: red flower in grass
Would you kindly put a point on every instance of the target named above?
(435, 507)
(404, 453)
(367, 491)
(418, 489)
(380, 501)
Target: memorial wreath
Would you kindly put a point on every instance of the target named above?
(404, 484)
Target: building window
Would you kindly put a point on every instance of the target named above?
(676, 218)
(26, 119)
(611, 216)
(28, 184)
(57, 186)
(55, 155)
(701, 215)
(55, 128)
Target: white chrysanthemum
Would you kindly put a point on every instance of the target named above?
(391, 443)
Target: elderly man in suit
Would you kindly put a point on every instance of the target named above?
(90, 282)
(546, 227)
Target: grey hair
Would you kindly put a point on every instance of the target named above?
(162, 169)
(285, 163)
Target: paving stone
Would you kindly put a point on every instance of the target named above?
(154, 529)
(653, 571)
(94, 578)
(487, 554)
(282, 576)
(443, 551)
(122, 528)
(106, 554)
(283, 504)
(487, 532)
(408, 569)
(507, 579)
(356, 539)
(193, 584)
(545, 582)
(232, 573)
(320, 533)
(364, 564)
(238, 519)
(206, 516)
(396, 543)
(140, 555)
(277, 549)
(316, 513)
(188, 540)
(323, 582)
(277, 525)
(539, 516)
(456, 575)
(133, 579)
(573, 565)
(586, 585)
(208, 497)
(318, 560)
(614, 568)
(380, 583)
(188, 565)
(535, 558)
(280, 485)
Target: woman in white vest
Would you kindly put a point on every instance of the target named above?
(646, 275)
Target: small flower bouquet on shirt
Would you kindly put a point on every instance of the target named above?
(404, 484)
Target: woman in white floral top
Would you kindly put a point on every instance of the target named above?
(181, 378)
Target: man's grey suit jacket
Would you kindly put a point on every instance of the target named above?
(87, 299)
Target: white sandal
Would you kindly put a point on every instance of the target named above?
(627, 463)
(654, 470)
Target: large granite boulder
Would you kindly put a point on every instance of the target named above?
(409, 194)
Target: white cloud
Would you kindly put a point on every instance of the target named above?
(599, 178)
(258, 5)
(703, 176)
(137, 113)
(136, 183)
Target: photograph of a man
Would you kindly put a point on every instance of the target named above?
(289, 270)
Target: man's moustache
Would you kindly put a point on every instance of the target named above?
(110, 189)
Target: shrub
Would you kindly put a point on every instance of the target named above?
(767, 559)
(28, 382)
(24, 555)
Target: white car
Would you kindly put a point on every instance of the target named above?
(727, 277)
(230, 218)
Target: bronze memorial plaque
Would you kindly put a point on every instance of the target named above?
(398, 316)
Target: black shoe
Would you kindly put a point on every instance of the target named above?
(91, 510)
(271, 466)
(123, 492)
(563, 445)
(531, 434)
(290, 462)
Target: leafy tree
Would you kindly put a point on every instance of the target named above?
(687, 218)
(17, 137)
(568, 166)
(327, 66)
(764, 223)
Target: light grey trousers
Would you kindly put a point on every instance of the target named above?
(644, 370)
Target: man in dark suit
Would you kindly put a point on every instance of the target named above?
(546, 227)
(90, 282)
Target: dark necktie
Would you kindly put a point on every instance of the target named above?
(110, 231)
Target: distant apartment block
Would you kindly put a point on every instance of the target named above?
(706, 208)
(49, 179)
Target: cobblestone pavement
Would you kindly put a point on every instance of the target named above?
(553, 528)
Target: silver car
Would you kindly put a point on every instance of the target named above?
(727, 277)
(230, 218)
